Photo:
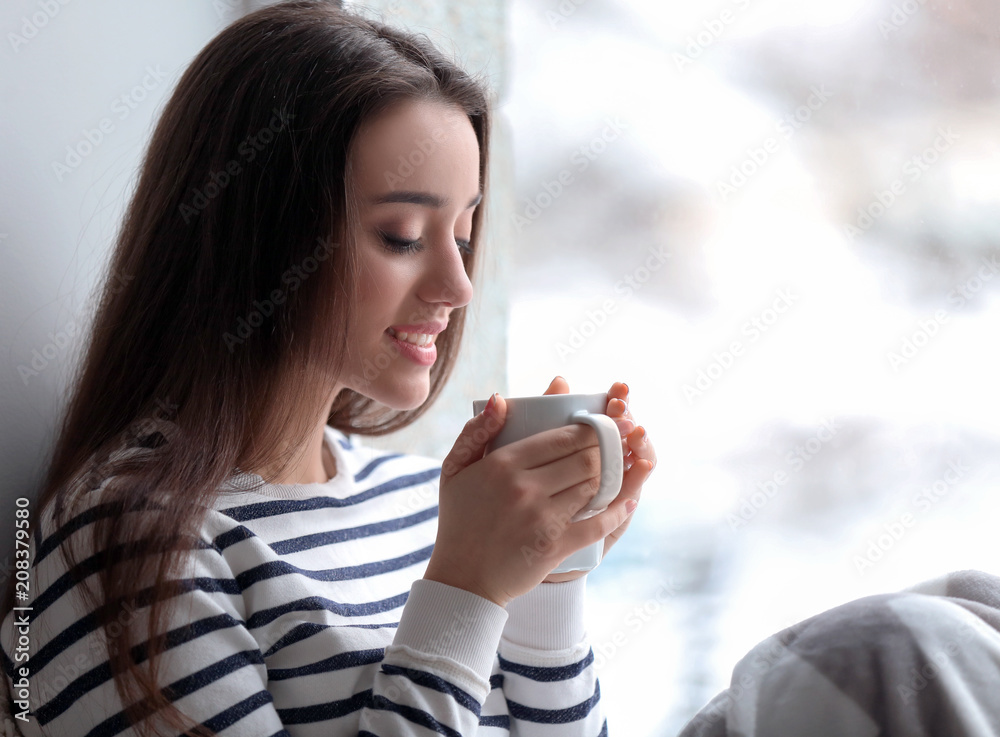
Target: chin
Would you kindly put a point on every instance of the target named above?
(406, 397)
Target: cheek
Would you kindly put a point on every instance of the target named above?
(373, 283)
(380, 291)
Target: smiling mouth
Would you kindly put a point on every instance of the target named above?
(421, 340)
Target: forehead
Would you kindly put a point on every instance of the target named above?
(416, 143)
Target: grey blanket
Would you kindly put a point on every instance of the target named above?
(922, 662)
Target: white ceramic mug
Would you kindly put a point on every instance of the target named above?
(530, 415)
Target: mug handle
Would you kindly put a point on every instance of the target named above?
(610, 442)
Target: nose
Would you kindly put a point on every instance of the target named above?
(445, 279)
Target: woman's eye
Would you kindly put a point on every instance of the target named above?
(399, 245)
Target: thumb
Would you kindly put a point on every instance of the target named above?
(475, 436)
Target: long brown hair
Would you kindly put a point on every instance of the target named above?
(221, 315)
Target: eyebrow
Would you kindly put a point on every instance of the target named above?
(422, 198)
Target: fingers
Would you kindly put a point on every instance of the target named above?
(581, 471)
(550, 445)
(618, 411)
(558, 385)
(618, 408)
(588, 531)
(570, 501)
(619, 390)
(641, 447)
(635, 442)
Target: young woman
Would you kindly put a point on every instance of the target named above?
(212, 552)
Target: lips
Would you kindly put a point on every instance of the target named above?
(427, 328)
(418, 339)
(418, 347)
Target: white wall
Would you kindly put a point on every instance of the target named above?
(81, 86)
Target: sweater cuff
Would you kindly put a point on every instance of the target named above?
(549, 617)
(442, 622)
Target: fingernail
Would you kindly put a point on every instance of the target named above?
(630, 506)
(490, 404)
(626, 389)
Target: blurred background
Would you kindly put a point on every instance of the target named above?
(777, 220)
(816, 358)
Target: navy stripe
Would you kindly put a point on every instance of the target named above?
(276, 507)
(336, 662)
(496, 681)
(604, 729)
(88, 623)
(499, 720)
(239, 710)
(325, 711)
(555, 716)
(94, 564)
(412, 714)
(84, 518)
(211, 673)
(118, 723)
(548, 675)
(189, 684)
(298, 633)
(329, 537)
(431, 681)
(230, 537)
(367, 470)
(276, 568)
(308, 629)
(93, 678)
(319, 603)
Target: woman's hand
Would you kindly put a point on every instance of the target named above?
(503, 519)
(637, 452)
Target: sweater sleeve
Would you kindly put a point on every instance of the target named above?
(549, 680)
(436, 674)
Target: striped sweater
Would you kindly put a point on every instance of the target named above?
(305, 614)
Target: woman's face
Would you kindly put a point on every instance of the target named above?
(416, 170)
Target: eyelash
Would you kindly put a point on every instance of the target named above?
(398, 245)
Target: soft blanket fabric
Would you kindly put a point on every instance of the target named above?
(924, 662)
